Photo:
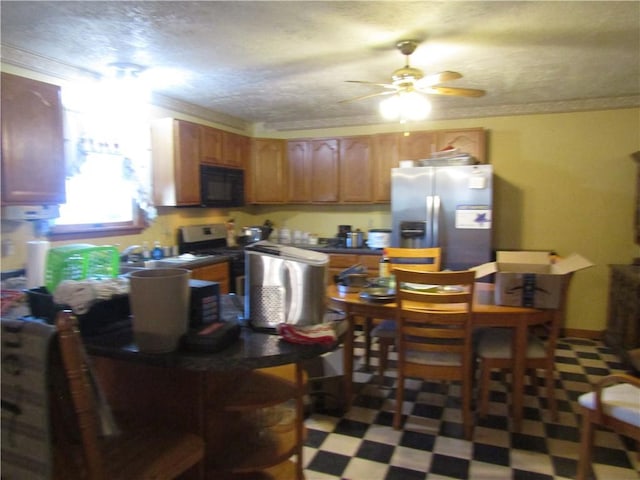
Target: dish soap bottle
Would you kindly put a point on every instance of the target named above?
(156, 253)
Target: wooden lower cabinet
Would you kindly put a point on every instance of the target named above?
(251, 420)
(216, 272)
(340, 261)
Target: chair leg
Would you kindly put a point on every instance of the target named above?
(485, 384)
(397, 415)
(551, 393)
(384, 355)
(467, 419)
(586, 447)
(367, 341)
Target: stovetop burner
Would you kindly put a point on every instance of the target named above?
(207, 240)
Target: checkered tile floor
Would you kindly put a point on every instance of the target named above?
(362, 445)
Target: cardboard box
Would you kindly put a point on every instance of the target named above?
(530, 279)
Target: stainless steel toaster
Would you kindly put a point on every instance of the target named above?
(284, 284)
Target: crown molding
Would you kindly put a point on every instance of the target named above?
(53, 68)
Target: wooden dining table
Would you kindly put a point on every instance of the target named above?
(485, 314)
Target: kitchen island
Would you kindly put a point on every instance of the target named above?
(246, 400)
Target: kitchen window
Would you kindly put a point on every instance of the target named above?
(107, 161)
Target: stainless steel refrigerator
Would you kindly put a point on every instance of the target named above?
(448, 207)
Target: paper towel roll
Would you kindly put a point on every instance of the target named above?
(36, 262)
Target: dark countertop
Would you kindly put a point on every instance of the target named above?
(344, 250)
(252, 350)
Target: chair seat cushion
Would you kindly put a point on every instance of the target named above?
(621, 401)
(434, 358)
(386, 328)
(496, 343)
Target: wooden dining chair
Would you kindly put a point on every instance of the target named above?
(494, 350)
(434, 333)
(417, 259)
(133, 453)
(614, 404)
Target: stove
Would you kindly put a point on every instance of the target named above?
(211, 240)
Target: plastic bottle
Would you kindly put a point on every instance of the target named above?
(146, 254)
(157, 252)
(384, 266)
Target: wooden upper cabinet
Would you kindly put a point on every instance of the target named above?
(175, 162)
(268, 164)
(325, 175)
(356, 179)
(33, 167)
(218, 147)
(300, 172)
(469, 140)
(385, 155)
(417, 145)
(235, 149)
(211, 145)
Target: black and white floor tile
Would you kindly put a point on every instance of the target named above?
(362, 445)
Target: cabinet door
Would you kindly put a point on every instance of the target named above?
(299, 165)
(33, 169)
(324, 170)
(211, 145)
(385, 156)
(187, 166)
(355, 170)
(417, 145)
(267, 171)
(176, 165)
(372, 262)
(217, 272)
(468, 140)
(339, 262)
(235, 149)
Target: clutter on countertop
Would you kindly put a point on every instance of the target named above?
(80, 295)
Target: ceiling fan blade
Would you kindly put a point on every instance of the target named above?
(436, 78)
(383, 85)
(366, 96)
(460, 92)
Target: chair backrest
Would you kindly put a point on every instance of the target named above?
(434, 312)
(82, 396)
(418, 259)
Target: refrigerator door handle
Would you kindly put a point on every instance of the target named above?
(430, 219)
(435, 240)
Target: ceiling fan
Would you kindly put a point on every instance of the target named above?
(411, 79)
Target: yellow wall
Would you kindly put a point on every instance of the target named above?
(563, 181)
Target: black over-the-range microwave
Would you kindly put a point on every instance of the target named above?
(221, 186)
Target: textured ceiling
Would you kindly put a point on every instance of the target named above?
(284, 64)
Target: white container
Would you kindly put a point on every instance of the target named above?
(159, 300)
(284, 236)
(379, 238)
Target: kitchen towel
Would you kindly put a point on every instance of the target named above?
(36, 262)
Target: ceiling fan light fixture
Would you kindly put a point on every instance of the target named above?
(405, 106)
